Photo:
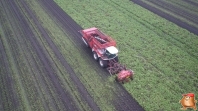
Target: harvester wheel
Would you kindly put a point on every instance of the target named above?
(95, 55)
(103, 63)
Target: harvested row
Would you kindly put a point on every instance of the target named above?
(13, 53)
(7, 82)
(29, 85)
(177, 11)
(183, 20)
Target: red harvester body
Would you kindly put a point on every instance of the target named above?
(105, 51)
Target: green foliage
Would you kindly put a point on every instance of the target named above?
(163, 55)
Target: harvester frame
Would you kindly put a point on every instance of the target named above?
(104, 50)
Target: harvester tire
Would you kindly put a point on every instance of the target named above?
(103, 63)
(95, 56)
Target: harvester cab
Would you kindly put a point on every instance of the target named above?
(110, 53)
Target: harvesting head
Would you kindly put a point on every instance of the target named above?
(125, 75)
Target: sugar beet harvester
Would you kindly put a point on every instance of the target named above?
(105, 51)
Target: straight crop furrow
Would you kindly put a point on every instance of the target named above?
(12, 58)
(192, 2)
(41, 87)
(47, 65)
(46, 85)
(169, 16)
(28, 56)
(8, 97)
(30, 88)
(185, 5)
(177, 11)
(25, 78)
(49, 87)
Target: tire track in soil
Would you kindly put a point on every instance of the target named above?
(6, 81)
(177, 11)
(36, 66)
(13, 24)
(9, 82)
(125, 101)
(191, 2)
(167, 16)
(81, 88)
(186, 5)
(65, 97)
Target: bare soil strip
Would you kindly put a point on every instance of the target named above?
(7, 90)
(191, 2)
(177, 11)
(167, 16)
(8, 83)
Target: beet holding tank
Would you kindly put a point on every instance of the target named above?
(125, 75)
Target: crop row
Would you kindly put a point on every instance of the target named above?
(7, 41)
(182, 15)
(34, 90)
(184, 5)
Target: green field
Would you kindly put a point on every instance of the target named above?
(40, 59)
(163, 55)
